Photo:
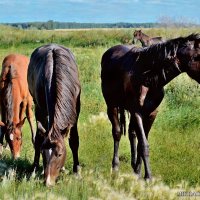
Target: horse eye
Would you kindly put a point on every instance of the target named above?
(59, 154)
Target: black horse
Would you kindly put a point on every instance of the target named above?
(126, 72)
(55, 87)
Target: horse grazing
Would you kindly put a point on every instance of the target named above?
(145, 40)
(125, 71)
(15, 101)
(55, 87)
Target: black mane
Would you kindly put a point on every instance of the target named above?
(151, 57)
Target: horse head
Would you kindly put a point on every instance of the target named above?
(137, 34)
(54, 155)
(189, 56)
(13, 135)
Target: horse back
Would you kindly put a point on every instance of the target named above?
(19, 66)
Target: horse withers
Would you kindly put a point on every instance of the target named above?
(145, 40)
(55, 87)
(15, 101)
(124, 72)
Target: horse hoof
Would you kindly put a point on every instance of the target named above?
(148, 179)
(115, 169)
(34, 168)
(138, 175)
(78, 173)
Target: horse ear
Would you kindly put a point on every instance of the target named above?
(1, 123)
(40, 127)
(20, 124)
(46, 144)
(140, 30)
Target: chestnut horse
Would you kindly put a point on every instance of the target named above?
(145, 39)
(123, 73)
(54, 84)
(15, 101)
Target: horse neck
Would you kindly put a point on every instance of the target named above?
(144, 40)
(144, 43)
(163, 76)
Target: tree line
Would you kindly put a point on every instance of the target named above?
(50, 25)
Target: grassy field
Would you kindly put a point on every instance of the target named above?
(174, 139)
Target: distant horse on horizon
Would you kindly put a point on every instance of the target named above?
(15, 100)
(54, 84)
(145, 40)
(123, 73)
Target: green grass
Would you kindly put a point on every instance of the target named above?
(174, 139)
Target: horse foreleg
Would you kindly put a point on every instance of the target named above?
(23, 105)
(147, 123)
(30, 117)
(116, 132)
(138, 164)
(74, 145)
(143, 146)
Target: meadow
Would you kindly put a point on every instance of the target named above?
(174, 139)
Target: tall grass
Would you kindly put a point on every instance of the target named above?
(82, 38)
(174, 138)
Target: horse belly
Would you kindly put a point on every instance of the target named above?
(113, 93)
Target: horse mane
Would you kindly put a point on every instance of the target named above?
(6, 95)
(65, 87)
(151, 57)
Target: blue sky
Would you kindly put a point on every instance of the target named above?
(98, 10)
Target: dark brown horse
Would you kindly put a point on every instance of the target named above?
(55, 87)
(15, 101)
(145, 40)
(123, 74)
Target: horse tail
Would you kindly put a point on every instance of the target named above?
(49, 88)
(61, 90)
(122, 120)
(6, 96)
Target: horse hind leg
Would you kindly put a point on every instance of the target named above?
(74, 145)
(39, 139)
(116, 132)
(132, 140)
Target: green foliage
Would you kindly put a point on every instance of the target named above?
(174, 138)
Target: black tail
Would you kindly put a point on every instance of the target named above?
(50, 88)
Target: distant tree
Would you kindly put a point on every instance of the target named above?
(166, 21)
